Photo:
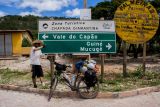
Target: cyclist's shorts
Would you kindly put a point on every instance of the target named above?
(37, 71)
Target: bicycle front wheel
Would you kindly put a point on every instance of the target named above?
(87, 92)
(54, 82)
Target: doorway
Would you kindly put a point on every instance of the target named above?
(5, 44)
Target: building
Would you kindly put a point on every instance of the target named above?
(11, 42)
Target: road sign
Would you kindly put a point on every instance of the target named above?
(78, 42)
(136, 21)
(76, 26)
(77, 36)
(85, 14)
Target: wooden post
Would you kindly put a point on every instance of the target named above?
(102, 57)
(124, 59)
(144, 58)
(52, 60)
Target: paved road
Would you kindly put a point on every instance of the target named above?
(17, 99)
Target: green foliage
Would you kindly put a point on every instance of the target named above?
(29, 22)
(138, 72)
(7, 76)
(103, 9)
(25, 43)
(116, 82)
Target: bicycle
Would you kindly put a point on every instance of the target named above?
(84, 91)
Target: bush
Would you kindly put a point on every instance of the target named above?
(26, 43)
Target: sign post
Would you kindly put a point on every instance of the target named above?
(102, 57)
(85, 3)
(136, 22)
(124, 59)
(144, 58)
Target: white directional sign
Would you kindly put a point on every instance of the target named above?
(85, 14)
(76, 25)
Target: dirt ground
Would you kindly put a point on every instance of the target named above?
(111, 66)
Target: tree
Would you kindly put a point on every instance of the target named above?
(103, 9)
(118, 2)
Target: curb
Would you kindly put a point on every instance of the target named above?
(71, 94)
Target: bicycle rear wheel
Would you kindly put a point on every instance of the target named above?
(52, 87)
(87, 92)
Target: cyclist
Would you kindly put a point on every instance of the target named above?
(35, 62)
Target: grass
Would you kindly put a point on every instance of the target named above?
(112, 83)
(20, 78)
(7, 76)
(116, 82)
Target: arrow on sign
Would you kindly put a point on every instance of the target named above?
(44, 36)
(109, 46)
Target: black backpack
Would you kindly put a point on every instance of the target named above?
(60, 68)
(90, 78)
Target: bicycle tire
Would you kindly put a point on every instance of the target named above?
(52, 87)
(87, 96)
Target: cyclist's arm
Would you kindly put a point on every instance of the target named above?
(36, 49)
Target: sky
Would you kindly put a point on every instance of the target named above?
(66, 8)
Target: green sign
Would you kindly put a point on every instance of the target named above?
(78, 42)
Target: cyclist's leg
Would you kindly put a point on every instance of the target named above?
(34, 76)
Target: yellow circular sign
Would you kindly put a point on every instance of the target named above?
(136, 21)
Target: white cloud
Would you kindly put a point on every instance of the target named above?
(73, 13)
(9, 2)
(2, 13)
(39, 6)
(46, 5)
(29, 13)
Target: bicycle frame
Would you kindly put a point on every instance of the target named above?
(68, 82)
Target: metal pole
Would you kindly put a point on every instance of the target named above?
(124, 59)
(85, 6)
(85, 3)
(102, 56)
(144, 58)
